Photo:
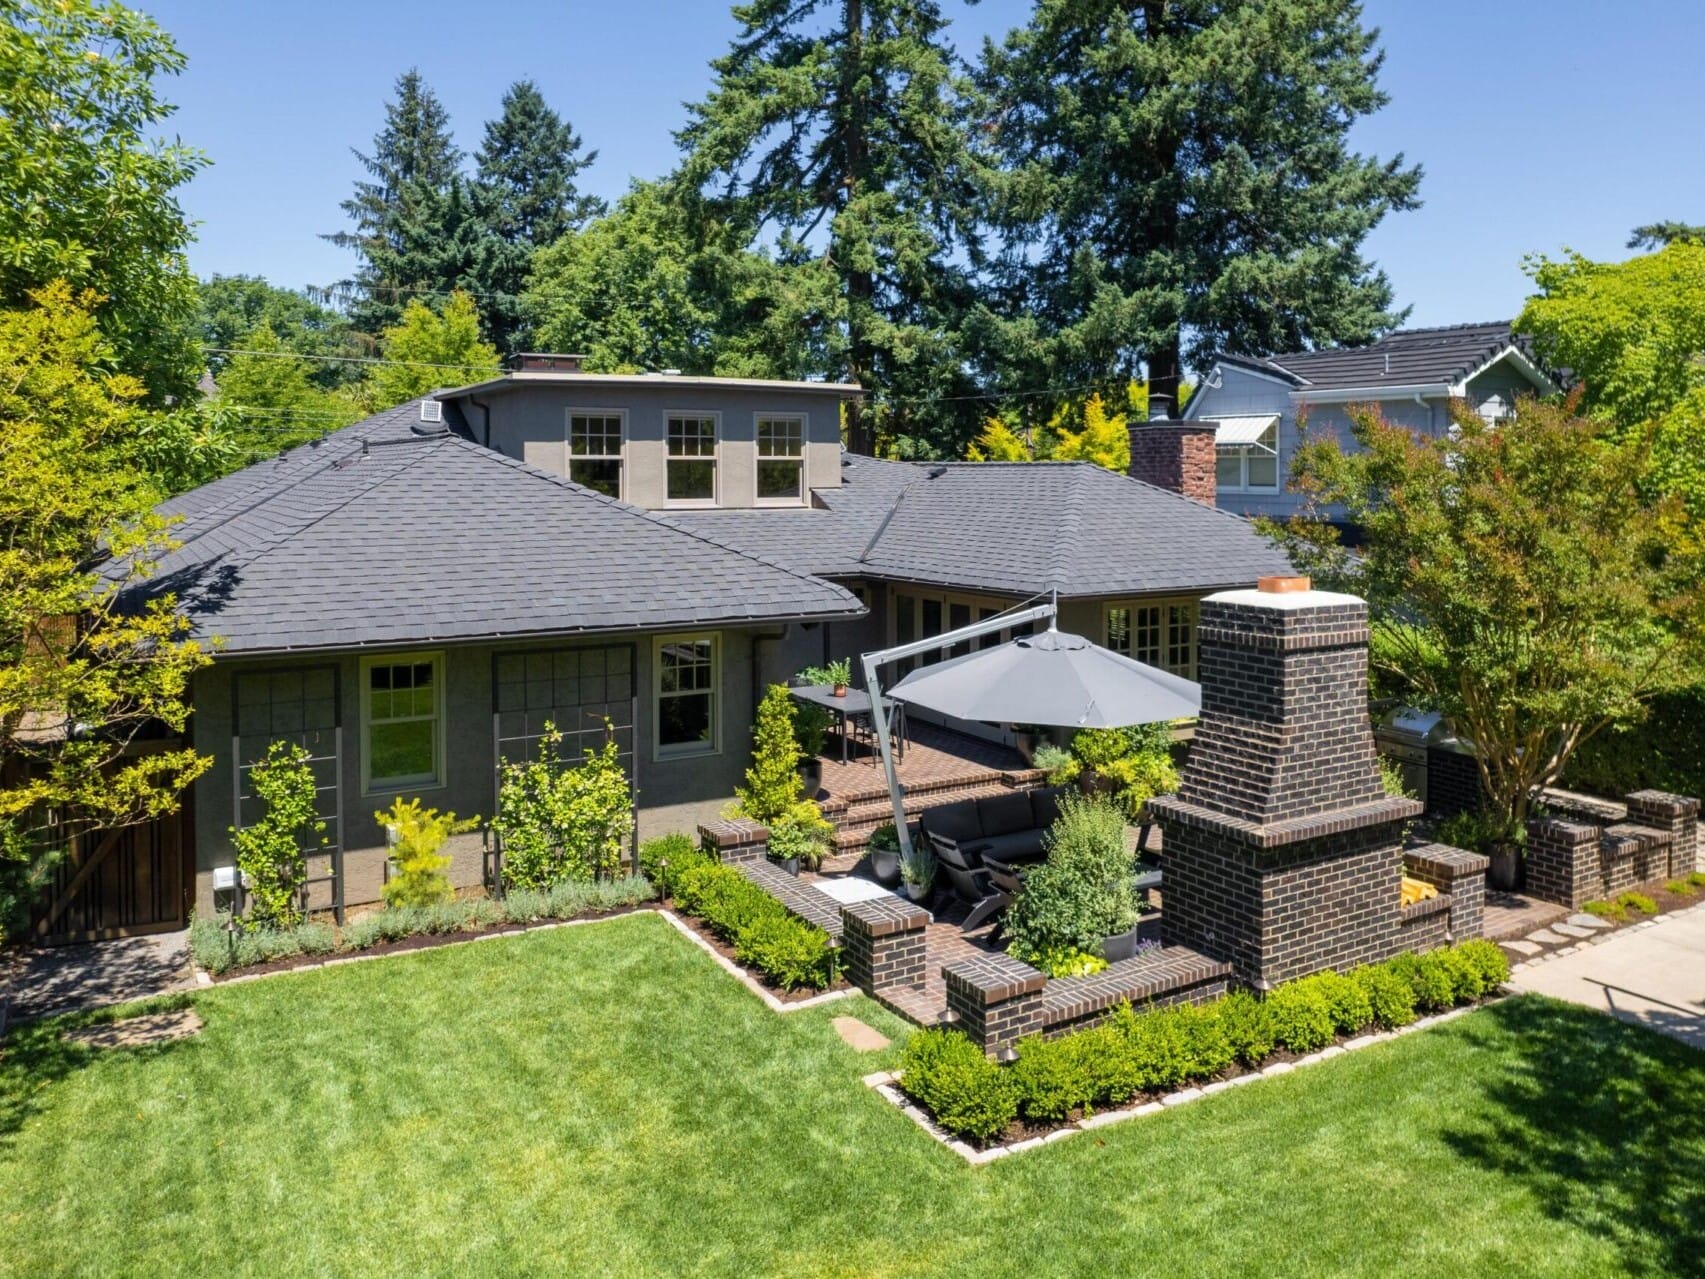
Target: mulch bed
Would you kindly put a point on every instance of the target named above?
(727, 952)
(420, 941)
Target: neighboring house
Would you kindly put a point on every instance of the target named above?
(1410, 376)
(413, 596)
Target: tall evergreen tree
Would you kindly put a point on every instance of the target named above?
(525, 184)
(412, 169)
(1178, 181)
(834, 127)
(1658, 235)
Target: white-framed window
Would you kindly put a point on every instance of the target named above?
(402, 721)
(686, 672)
(1160, 633)
(1252, 467)
(781, 459)
(692, 459)
(595, 449)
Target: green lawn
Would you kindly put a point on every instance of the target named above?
(603, 1100)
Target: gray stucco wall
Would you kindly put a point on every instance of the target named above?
(674, 794)
(530, 422)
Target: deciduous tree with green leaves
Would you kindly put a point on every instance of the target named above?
(1520, 578)
(428, 348)
(1177, 180)
(80, 677)
(234, 306)
(90, 191)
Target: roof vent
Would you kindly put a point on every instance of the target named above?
(431, 411)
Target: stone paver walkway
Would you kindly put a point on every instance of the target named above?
(1652, 974)
(65, 979)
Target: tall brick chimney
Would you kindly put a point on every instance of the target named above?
(1283, 852)
(1173, 454)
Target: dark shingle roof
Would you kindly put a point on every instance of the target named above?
(1409, 357)
(1012, 527)
(380, 536)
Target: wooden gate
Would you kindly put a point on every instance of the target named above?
(119, 883)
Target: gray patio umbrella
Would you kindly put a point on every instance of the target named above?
(1054, 679)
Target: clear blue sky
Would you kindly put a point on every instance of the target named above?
(1541, 123)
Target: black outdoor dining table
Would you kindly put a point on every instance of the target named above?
(854, 702)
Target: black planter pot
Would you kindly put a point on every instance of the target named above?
(811, 776)
(789, 864)
(1120, 946)
(1504, 875)
(885, 866)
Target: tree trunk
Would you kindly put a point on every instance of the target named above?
(860, 285)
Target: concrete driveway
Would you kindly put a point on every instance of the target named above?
(1653, 975)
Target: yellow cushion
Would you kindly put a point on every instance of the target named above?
(1415, 890)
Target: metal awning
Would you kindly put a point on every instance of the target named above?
(1235, 432)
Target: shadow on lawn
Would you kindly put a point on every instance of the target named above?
(35, 1055)
(1605, 1124)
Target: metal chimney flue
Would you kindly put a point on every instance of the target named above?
(1160, 408)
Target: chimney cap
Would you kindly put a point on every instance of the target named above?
(1278, 585)
(1160, 407)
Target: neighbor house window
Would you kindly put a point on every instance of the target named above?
(686, 687)
(402, 718)
(692, 459)
(781, 460)
(1250, 467)
(1161, 634)
(595, 451)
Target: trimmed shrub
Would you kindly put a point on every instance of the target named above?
(1680, 888)
(1208, 1048)
(1347, 999)
(421, 875)
(1159, 1046)
(1302, 1015)
(1053, 1077)
(559, 821)
(787, 950)
(1248, 1025)
(1466, 981)
(1607, 910)
(661, 859)
(1082, 893)
(1390, 996)
(969, 1095)
(1490, 959)
(1429, 978)
(1638, 902)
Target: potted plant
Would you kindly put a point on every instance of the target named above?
(810, 727)
(1026, 738)
(917, 870)
(884, 850)
(1082, 897)
(839, 672)
(793, 844)
(1492, 834)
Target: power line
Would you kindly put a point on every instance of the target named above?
(346, 359)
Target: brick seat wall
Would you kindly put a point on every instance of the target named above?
(801, 900)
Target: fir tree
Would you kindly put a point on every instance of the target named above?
(834, 125)
(412, 169)
(1658, 235)
(525, 184)
(773, 789)
(1178, 181)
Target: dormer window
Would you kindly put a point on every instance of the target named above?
(595, 450)
(781, 460)
(692, 459)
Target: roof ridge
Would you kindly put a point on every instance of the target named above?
(1071, 519)
(637, 512)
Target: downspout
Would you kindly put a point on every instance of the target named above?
(758, 684)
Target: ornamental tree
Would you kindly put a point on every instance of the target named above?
(563, 822)
(1520, 578)
(773, 787)
(430, 349)
(80, 675)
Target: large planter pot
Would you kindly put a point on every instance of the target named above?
(1120, 946)
(1504, 875)
(918, 893)
(811, 776)
(1092, 783)
(789, 864)
(885, 866)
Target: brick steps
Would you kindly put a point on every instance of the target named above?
(853, 826)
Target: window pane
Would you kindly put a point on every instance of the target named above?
(601, 476)
(959, 615)
(401, 750)
(594, 436)
(684, 720)
(692, 437)
(1119, 630)
(1263, 471)
(1228, 470)
(779, 479)
(1180, 638)
(692, 481)
(780, 437)
(931, 626)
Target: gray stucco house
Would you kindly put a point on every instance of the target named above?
(1411, 375)
(412, 597)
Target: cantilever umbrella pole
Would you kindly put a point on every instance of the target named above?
(879, 704)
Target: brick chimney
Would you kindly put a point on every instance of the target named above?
(1174, 454)
(1283, 852)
